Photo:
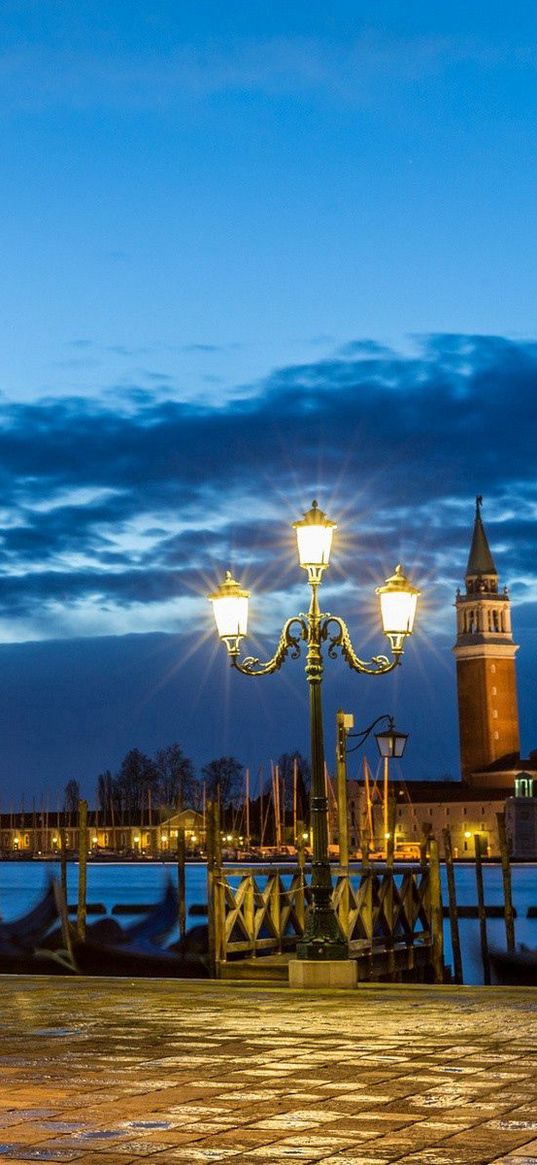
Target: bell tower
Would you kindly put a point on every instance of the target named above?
(485, 654)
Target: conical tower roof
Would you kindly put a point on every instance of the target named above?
(480, 560)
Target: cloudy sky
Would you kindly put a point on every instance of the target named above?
(251, 255)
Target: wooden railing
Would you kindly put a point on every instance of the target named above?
(260, 910)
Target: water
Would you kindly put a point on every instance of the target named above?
(524, 893)
(109, 883)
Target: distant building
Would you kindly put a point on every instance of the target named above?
(521, 818)
(494, 776)
(36, 834)
(423, 807)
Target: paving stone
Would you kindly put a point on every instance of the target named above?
(190, 1071)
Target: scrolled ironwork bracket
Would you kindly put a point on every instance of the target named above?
(289, 644)
(340, 640)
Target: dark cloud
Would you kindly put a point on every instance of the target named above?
(397, 445)
(208, 349)
(157, 377)
(126, 350)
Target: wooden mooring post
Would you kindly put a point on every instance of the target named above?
(437, 913)
(482, 915)
(506, 878)
(63, 862)
(82, 868)
(434, 897)
(214, 877)
(424, 843)
(181, 881)
(452, 905)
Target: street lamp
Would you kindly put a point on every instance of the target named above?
(390, 743)
(322, 939)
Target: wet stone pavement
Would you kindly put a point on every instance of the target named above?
(119, 1071)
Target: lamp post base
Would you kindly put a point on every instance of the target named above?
(322, 950)
(338, 974)
(322, 940)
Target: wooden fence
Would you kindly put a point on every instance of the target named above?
(390, 916)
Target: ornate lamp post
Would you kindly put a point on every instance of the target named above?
(323, 939)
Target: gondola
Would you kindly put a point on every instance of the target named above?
(38, 944)
(28, 930)
(136, 951)
(515, 968)
(23, 940)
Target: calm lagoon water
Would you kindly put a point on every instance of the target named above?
(21, 885)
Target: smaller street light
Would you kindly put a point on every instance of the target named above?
(391, 743)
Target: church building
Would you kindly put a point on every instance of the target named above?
(494, 778)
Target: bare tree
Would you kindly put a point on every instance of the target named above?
(176, 781)
(71, 797)
(223, 778)
(136, 779)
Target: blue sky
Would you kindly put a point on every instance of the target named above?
(253, 254)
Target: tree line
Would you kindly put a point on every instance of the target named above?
(147, 789)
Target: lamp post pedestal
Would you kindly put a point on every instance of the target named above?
(339, 974)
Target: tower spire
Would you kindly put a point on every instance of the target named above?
(481, 568)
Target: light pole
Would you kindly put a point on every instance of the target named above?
(323, 939)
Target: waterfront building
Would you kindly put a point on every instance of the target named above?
(38, 834)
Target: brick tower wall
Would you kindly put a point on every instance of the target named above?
(488, 711)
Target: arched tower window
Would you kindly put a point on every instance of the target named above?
(524, 785)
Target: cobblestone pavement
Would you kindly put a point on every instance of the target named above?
(118, 1071)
